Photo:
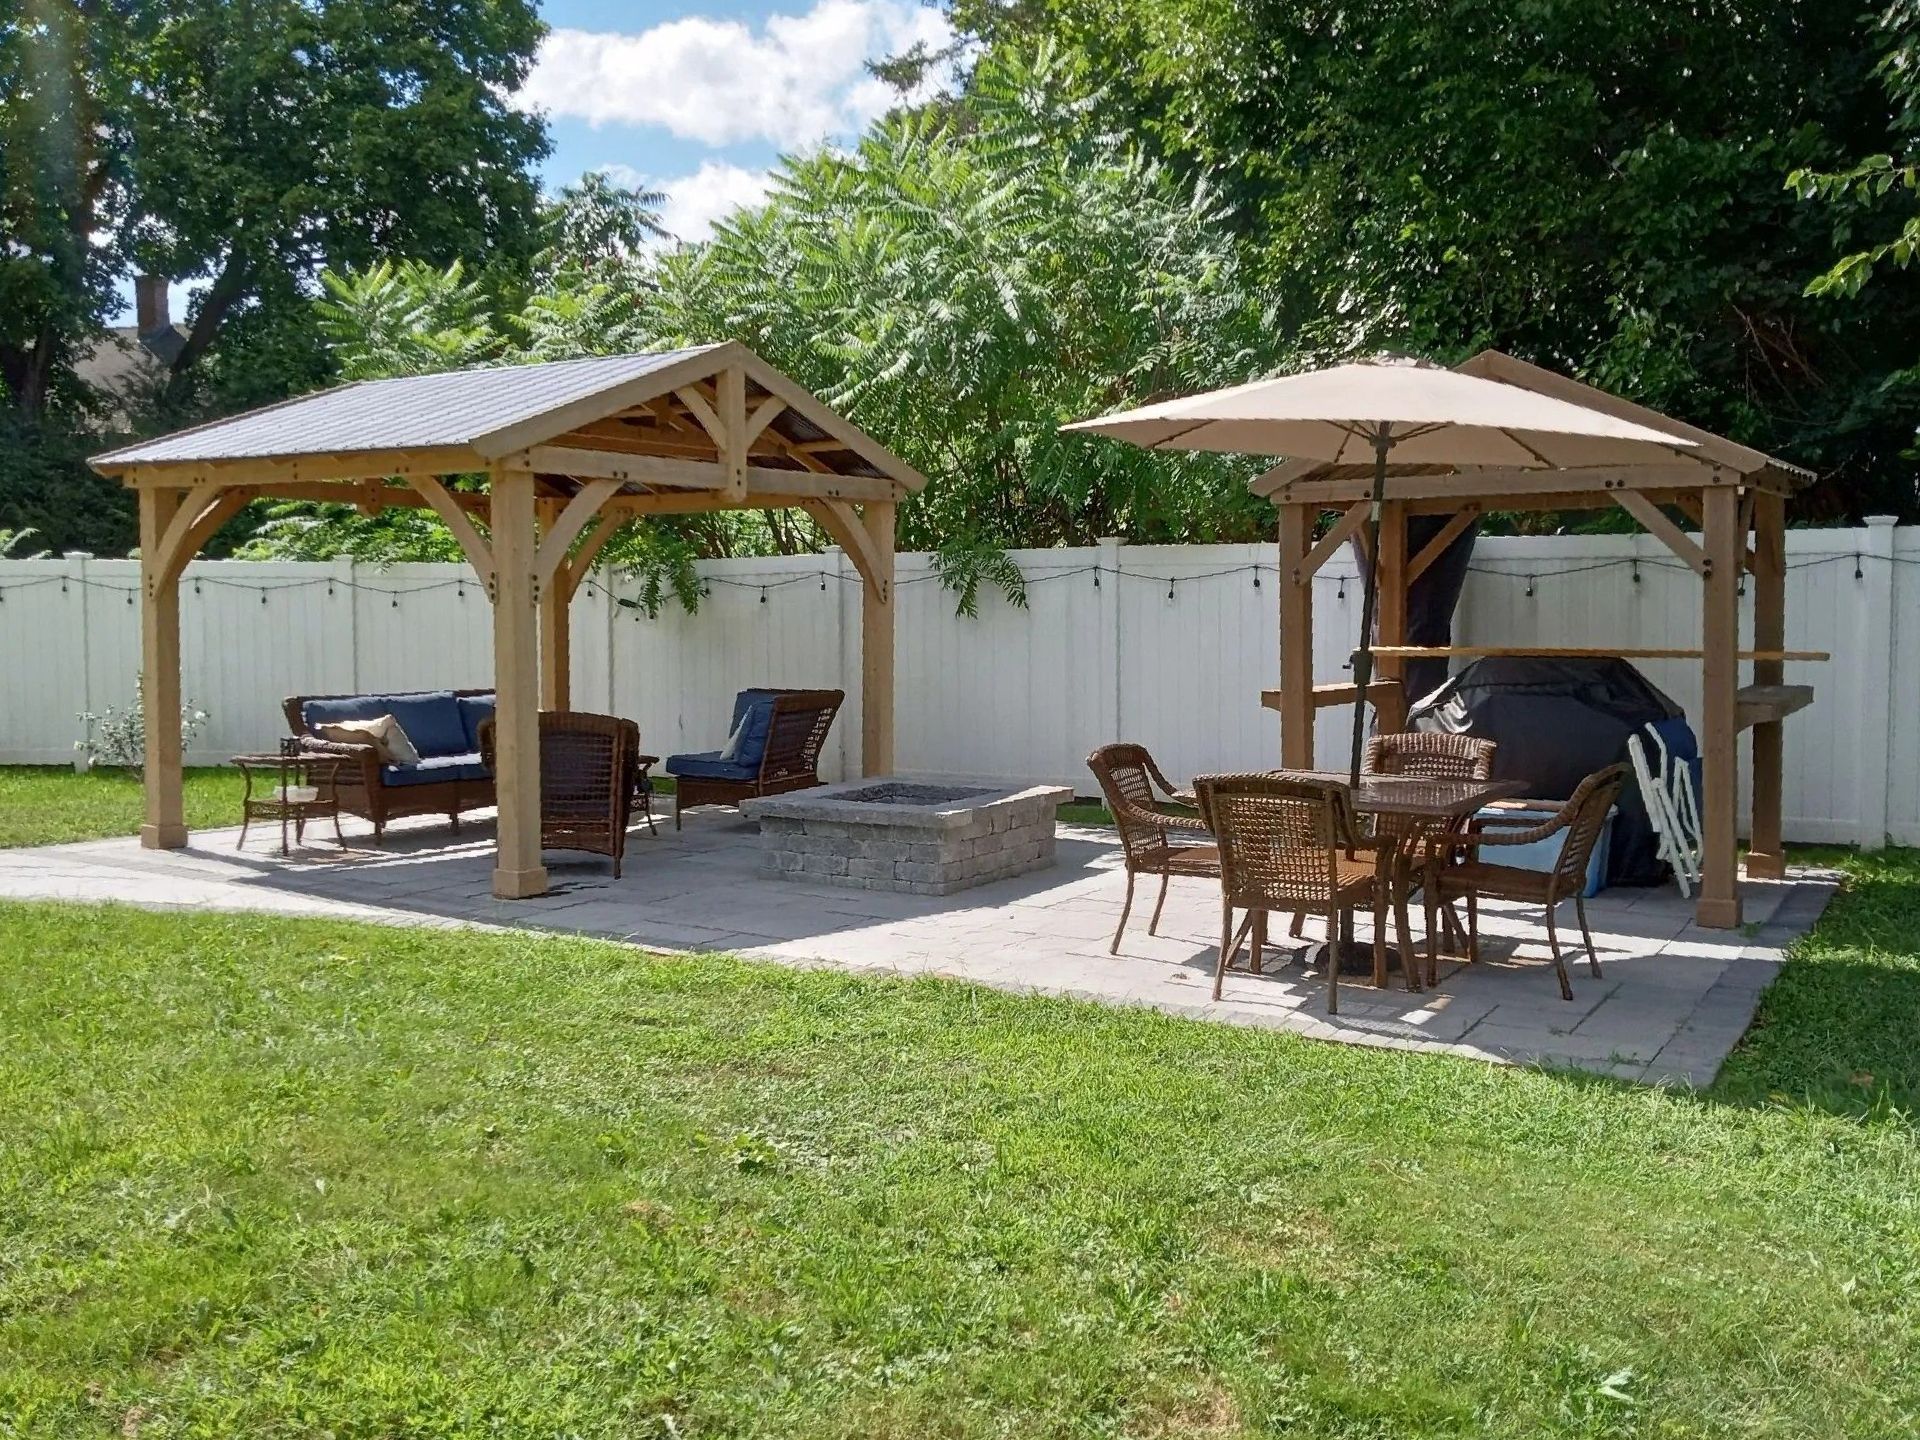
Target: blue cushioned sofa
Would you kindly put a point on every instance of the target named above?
(444, 726)
(777, 736)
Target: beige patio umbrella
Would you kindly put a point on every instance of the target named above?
(1412, 410)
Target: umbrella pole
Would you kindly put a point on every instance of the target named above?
(1369, 595)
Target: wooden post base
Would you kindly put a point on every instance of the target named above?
(1766, 867)
(519, 884)
(163, 837)
(1717, 914)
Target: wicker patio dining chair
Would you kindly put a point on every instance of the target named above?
(1430, 755)
(1157, 836)
(1580, 819)
(1287, 844)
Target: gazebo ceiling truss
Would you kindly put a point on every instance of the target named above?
(1734, 497)
(533, 468)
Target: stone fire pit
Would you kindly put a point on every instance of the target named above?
(918, 836)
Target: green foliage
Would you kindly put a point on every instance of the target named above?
(276, 1176)
(1597, 188)
(967, 279)
(1878, 188)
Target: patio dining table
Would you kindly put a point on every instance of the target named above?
(1407, 810)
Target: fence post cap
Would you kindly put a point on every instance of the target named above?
(1883, 519)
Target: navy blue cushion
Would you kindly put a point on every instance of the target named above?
(431, 720)
(756, 706)
(434, 768)
(474, 709)
(708, 765)
(352, 707)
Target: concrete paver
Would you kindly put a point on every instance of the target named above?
(1670, 1002)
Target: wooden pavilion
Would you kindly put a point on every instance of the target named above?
(1735, 498)
(568, 452)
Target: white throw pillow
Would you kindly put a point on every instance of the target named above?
(732, 748)
(383, 732)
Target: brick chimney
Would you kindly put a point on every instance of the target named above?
(150, 303)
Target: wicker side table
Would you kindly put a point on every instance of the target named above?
(292, 789)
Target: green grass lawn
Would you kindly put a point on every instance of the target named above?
(272, 1178)
(47, 805)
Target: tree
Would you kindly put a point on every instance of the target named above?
(248, 145)
(1595, 187)
(967, 279)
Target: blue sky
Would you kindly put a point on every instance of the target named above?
(699, 97)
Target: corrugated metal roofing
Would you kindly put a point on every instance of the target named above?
(408, 412)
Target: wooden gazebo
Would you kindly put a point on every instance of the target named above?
(569, 452)
(1735, 498)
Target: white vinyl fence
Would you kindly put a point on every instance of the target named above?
(1168, 645)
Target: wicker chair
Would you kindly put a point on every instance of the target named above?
(1580, 819)
(587, 769)
(1154, 840)
(1432, 755)
(1287, 843)
(794, 733)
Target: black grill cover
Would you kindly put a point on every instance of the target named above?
(1557, 721)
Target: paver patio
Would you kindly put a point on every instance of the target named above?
(1672, 1000)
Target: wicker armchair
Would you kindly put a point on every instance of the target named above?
(587, 768)
(1154, 839)
(781, 732)
(1580, 819)
(1287, 843)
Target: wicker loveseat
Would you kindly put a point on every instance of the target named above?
(444, 726)
(776, 741)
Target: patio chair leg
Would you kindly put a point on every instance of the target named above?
(338, 834)
(1473, 929)
(1125, 908)
(241, 843)
(1339, 930)
(1403, 931)
(1258, 942)
(1434, 909)
(453, 819)
(1297, 926)
(1226, 945)
(1580, 909)
(1559, 966)
(1380, 906)
(1153, 925)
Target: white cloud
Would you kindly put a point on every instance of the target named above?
(711, 193)
(796, 80)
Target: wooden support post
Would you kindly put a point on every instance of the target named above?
(165, 826)
(1296, 639)
(1766, 854)
(556, 607)
(1391, 614)
(517, 871)
(876, 641)
(1719, 902)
